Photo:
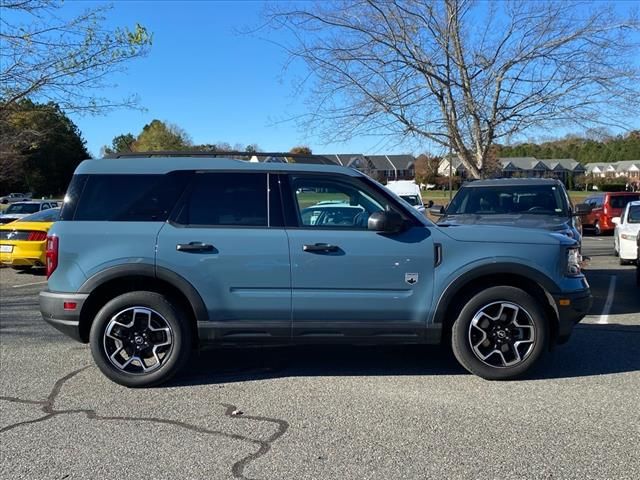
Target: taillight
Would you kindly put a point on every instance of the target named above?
(52, 254)
(37, 236)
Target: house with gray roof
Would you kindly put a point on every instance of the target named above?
(564, 169)
(623, 168)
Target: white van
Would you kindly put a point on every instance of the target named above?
(409, 192)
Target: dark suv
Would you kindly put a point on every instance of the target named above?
(518, 202)
(154, 256)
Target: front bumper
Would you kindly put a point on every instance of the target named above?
(67, 320)
(572, 307)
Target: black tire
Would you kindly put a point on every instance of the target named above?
(177, 353)
(596, 229)
(492, 298)
(22, 268)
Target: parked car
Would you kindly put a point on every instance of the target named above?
(626, 233)
(15, 197)
(604, 207)
(332, 215)
(23, 242)
(409, 191)
(192, 251)
(519, 202)
(20, 210)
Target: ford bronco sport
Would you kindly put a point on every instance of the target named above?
(155, 256)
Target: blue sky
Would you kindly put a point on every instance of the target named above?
(215, 83)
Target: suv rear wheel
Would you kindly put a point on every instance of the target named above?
(500, 333)
(140, 339)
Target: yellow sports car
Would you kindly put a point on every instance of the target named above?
(23, 243)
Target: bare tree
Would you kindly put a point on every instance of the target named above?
(463, 74)
(47, 56)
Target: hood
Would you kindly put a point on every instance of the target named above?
(545, 222)
(503, 234)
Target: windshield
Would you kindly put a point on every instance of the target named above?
(411, 199)
(50, 215)
(23, 208)
(634, 214)
(509, 199)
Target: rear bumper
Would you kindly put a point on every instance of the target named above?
(579, 304)
(24, 253)
(53, 312)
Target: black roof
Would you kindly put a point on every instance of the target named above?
(509, 182)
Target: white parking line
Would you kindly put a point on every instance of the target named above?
(28, 284)
(604, 317)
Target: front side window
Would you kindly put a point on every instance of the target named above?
(333, 203)
(226, 199)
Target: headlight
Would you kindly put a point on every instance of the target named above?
(573, 261)
(628, 236)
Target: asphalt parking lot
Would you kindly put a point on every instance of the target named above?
(324, 413)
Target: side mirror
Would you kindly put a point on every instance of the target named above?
(386, 222)
(616, 220)
(437, 210)
(582, 209)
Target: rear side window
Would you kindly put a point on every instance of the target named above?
(622, 200)
(124, 198)
(226, 199)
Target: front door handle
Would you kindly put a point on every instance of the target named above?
(320, 247)
(194, 247)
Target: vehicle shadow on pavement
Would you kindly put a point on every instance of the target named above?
(626, 299)
(592, 350)
(259, 363)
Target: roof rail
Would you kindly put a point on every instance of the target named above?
(297, 157)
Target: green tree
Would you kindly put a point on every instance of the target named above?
(120, 144)
(43, 149)
(159, 135)
(47, 54)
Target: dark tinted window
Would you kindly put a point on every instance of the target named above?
(508, 199)
(634, 214)
(231, 199)
(20, 208)
(71, 198)
(128, 198)
(622, 200)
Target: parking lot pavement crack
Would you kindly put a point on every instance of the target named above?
(237, 469)
(282, 427)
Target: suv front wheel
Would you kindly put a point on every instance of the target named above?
(140, 339)
(500, 333)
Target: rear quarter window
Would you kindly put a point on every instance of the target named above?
(123, 198)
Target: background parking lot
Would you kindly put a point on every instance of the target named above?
(330, 412)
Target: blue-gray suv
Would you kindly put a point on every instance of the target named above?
(155, 256)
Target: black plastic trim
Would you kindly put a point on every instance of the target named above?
(493, 269)
(148, 270)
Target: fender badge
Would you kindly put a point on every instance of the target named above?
(411, 278)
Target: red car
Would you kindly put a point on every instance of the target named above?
(605, 206)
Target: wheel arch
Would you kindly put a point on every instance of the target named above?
(467, 285)
(120, 279)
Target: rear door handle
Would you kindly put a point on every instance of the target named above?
(194, 247)
(320, 247)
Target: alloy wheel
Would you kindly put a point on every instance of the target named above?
(502, 334)
(138, 340)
